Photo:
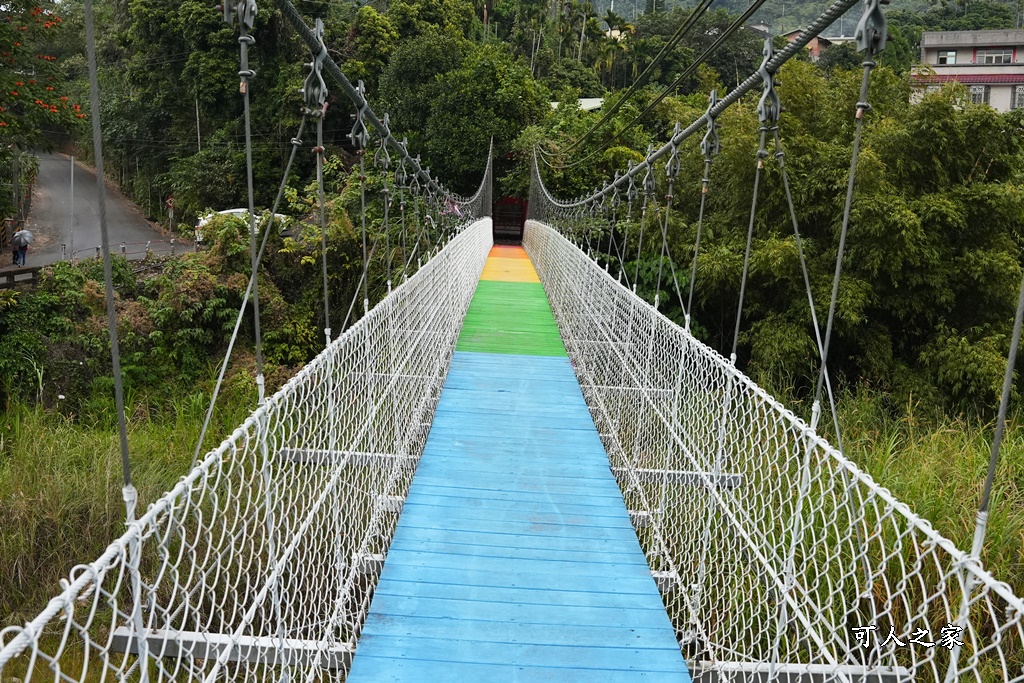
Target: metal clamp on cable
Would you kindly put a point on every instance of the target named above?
(631, 192)
(246, 11)
(768, 107)
(710, 146)
(359, 135)
(402, 173)
(650, 186)
(672, 167)
(314, 89)
(382, 158)
(872, 34)
(872, 29)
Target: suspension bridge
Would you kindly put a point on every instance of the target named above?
(512, 468)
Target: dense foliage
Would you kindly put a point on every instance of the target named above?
(932, 264)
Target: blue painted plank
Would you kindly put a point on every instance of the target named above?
(520, 516)
(514, 558)
(386, 670)
(569, 496)
(518, 632)
(488, 504)
(613, 555)
(416, 573)
(514, 605)
(469, 469)
(555, 656)
(461, 565)
(438, 521)
(487, 541)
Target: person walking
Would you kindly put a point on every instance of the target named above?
(19, 242)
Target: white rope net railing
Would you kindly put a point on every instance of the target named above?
(260, 564)
(775, 553)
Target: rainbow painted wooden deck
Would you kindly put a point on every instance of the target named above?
(514, 558)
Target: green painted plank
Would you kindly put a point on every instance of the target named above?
(510, 318)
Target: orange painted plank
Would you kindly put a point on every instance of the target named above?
(508, 251)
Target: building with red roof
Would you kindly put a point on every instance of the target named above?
(989, 63)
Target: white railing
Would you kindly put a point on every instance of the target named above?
(260, 564)
(776, 555)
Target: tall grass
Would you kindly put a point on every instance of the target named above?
(937, 464)
(61, 479)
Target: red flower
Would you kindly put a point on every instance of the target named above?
(49, 87)
(3, 124)
(64, 98)
(14, 92)
(39, 101)
(18, 83)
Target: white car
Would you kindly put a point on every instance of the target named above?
(243, 214)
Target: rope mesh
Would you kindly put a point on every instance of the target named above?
(774, 552)
(263, 559)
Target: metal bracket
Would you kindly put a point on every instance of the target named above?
(359, 135)
(710, 146)
(650, 186)
(314, 89)
(872, 29)
(246, 11)
(672, 167)
(414, 183)
(768, 107)
(631, 191)
(402, 173)
(382, 157)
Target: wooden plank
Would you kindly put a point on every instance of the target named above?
(515, 557)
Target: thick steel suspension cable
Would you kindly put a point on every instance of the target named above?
(296, 143)
(246, 12)
(825, 20)
(780, 159)
(129, 493)
(315, 93)
(871, 38)
(768, 112)
(710, 146)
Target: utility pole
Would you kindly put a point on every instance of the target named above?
(199, 140)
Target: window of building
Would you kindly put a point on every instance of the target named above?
(947, 56)
(979, 94)
(1018, 97)
(995, 56)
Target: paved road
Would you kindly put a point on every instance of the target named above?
(50, 218)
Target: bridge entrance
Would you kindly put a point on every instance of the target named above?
(509, 217)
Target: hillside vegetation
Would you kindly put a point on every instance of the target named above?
(926, 302)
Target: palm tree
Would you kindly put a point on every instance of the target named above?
(586, 11)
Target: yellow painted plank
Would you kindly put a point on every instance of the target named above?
(509, 270)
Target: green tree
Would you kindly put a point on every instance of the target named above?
(491, 94)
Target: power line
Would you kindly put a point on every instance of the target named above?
(641, 80)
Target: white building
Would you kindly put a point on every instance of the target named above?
(989, 63)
